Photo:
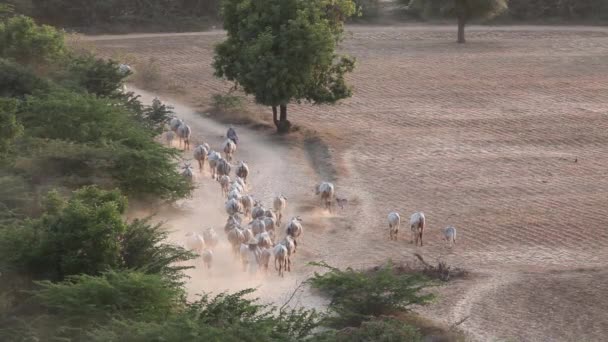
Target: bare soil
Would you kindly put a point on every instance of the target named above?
(506, 138)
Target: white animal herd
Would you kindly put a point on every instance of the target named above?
(255, 243)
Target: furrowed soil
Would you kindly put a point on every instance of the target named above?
(505, 137)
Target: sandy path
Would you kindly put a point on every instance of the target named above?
(483, 136)
(273, 170)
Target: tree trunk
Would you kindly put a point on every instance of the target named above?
(461, 22)
(274, 116)
(463, 15)
(283, 125)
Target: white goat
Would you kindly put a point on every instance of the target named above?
(183, 133)
(265, 258)
(200, 154)
(124, 69)
(247, 202)
(187, 173)
(195, 242)
(242, 170)
(258, 226)
(233, 207)
(213, 158)
(449, 234)
(210, 237)
(236, 238)
(294, 229)
(417, 224)
(223, 167)
(394, 221)
(208, 258)
(224, 183)
(281, 256)
(279, 204)
(229, 147)
(174, 124)
(326, 191)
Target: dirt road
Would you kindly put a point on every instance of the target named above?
(505, 138)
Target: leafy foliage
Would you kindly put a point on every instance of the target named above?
(464, 10)
(18, 81)
(10, 129)
(284, 50)
(564, 9)
(358, 296)
(24, 41)
(377, 330)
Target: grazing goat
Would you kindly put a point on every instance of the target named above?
(233, 221)
(326, 191)
(258, 211)
(233, 207)
(229, 148)
(417, 224)
(174, 124)
(195, 242)
(269, 224)
(236, 238)
(124, 69)
(183, 133)
(281, 256)
(234, 193)
(208, 258)
(247, 202)
(449, 234)
(200, 154)
(169, 136)
(290, 244)
(210, 237)
(242, 170)
(265, 258)
(213, 159)
(187, 173)
(224, 183)
(258, 226)
(279, 204)
(264, 240)
(394, 221)
(294, 229)
(223, 167)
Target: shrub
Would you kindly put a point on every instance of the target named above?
(377, 330)
(27, 43)
(10, 128)
(368, 9)
(96, 76)
(18, 81)
(228, 102)
(358, 296)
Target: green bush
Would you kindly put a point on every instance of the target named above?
(18, 81)
(368, 9)
(377, 330)
(228, 102)
(10, 128)
(359, 296)
(97, 76)
(27, 43)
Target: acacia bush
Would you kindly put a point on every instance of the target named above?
(359, 296)
(23, 41)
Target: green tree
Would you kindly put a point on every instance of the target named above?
(10, 128)
(27, 43)
(359, 296)
(463, 10)
(285, 50)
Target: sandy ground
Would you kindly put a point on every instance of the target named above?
(505, 137)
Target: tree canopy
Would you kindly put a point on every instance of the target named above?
(285, 50)
(463, 10)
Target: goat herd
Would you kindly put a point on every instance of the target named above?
(257, 241)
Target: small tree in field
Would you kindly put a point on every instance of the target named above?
(284, 50)
(463, 10)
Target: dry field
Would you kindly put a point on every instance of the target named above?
(505, 137)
